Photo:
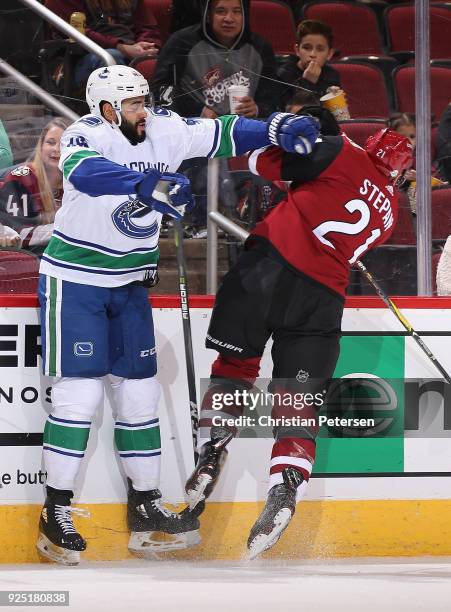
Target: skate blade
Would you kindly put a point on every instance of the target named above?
(147, 543)
(55, 553)
(194, 496)
(264, 541)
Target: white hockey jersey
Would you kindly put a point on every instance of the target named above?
(103, 235)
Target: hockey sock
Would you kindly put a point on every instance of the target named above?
(297, 453)
(139, 448)
(65, 442)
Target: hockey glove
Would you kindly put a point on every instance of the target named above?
(167, 193)
(179, 192)
(145, 188)
(293, 133)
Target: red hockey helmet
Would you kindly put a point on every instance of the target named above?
(390, 152)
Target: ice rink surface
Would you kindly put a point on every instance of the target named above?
(366, 585)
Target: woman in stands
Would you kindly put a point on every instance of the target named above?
(31, 193)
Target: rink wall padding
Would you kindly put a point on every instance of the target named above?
(386, 496)
(331, 529)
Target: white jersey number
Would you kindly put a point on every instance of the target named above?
(343, 227)
(13, 209)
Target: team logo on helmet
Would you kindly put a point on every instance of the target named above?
(126, 219)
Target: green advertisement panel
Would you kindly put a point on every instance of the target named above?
(379, 449)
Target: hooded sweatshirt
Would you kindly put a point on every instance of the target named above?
(195, 70)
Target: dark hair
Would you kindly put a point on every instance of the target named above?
(312, 26)
(396, 120)
(303, 98)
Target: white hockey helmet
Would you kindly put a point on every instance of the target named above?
(114, 84)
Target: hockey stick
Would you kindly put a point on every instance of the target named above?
(402, 319)
(188, 342)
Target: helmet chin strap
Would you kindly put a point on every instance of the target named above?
(119, 118)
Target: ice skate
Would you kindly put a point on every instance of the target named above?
(206, 473)
(58, 539)
(154, 528)
(276, 515)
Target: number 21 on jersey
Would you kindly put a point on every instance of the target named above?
(344, 227)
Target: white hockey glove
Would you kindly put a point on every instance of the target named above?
(293, 133)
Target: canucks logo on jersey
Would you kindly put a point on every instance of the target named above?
(126, 219)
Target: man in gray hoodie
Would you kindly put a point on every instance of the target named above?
(198, 64)
(195, 69)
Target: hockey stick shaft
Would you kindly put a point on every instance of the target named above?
(187, 336)
(404, 322)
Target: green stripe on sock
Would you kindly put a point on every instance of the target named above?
(52, 326)
(74, 159)
(137, 440)
(226, 138)
(72, 438)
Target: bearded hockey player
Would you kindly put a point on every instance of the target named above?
(290, 284)
(118, 164)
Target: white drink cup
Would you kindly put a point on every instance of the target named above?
(236, 92)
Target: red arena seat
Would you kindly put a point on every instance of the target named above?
(274, 21)
(365, 89)
(359, 130)
(19, 272)
(354, 25)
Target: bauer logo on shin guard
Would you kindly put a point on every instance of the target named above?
(84, 349)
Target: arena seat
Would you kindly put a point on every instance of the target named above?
(359, 130)
(404, 86)
(365, 89)
(274, 21)
(400, 28)
(19, 272)
(354, 25)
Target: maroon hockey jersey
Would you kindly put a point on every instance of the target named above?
(21, 206)
(337, 207)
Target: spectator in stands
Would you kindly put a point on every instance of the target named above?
(195, 69)
(199, 63)
(404, 123)
(444, 145)
(125, 28)
(6, 155)
(31, 193)
(308, 68)
(186, 13)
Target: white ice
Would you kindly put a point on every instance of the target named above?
(367, 585)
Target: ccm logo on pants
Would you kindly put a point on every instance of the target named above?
(148, 352)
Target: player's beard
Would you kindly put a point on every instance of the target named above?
(130, 131)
